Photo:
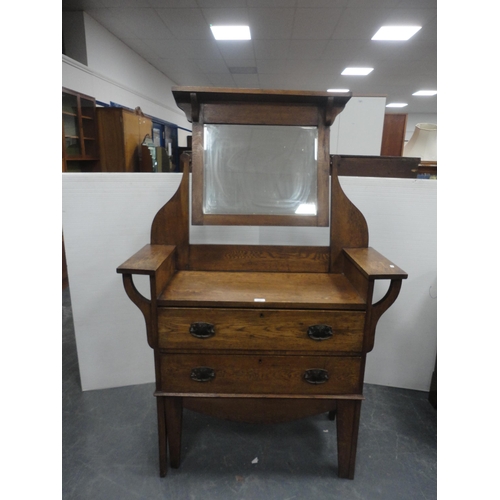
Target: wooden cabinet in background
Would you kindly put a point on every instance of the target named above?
(393, 136)
(80, 148)
(121, 133)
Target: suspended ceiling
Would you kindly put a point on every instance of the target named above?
(296, 44)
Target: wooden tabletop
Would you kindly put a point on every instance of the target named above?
(261, 290)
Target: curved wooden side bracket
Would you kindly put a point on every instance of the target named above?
(376, 311)
(171, 223)
(141, 302)
(348, 227)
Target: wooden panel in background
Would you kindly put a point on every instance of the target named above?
(393, 135)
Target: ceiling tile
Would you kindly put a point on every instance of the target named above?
(219, 80)
(201, 49)
(211, 66)
(236, 49)
(125, 3)
(173, 4)
(315, 23)
(363, 4)
(271, 3)
(112, 22)
(410, 16)
(422, 4)
(342, 49)
(271, 24)
(166, 49)
(331, 68)
(419, 50)
(306, 49)
(274, 81)
(85, 5)
(271, 66)
(223, 4)
(178, 65)
(199, 80)
(271, 49)
(360, 24)
(241, 65)
(429, 30)
(321, 3)
(144, 23)
(186, 23)
(300, 67)
(139, 47)
(229, 16)
(246, 81)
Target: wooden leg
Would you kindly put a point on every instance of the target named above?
(162, 435)
(348, 412)
(173, 410)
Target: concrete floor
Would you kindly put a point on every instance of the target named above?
(110, 448)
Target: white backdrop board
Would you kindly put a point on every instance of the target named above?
(107, 218)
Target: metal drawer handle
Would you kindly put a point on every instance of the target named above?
(202, 374)
(202, 330)
(316, 376)
(320, 332)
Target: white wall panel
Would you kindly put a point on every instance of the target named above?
(358, 129)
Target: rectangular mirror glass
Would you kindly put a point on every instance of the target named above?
(260, 169)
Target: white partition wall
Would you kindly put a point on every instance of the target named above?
(107, 217)
(358, 129)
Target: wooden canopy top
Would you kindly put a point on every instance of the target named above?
(190, 98)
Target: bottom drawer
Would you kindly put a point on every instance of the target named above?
(251, 374)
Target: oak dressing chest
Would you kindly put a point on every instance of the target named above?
(259, 333)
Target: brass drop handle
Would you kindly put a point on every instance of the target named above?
(202, 374)
(320, 332)
(316, 376)
(202, 330)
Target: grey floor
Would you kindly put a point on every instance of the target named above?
(110, 448)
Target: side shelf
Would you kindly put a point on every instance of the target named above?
(374, 265)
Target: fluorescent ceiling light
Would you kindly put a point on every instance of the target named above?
(231, 32)
(397, 105)
(338, 90)
(395, 32)
(426, 92)
(357, 71)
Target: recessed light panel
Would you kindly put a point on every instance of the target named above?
(426, 92)
(338, 90)
(395, 32)
(231, 32)
(397, 105)
(357, 71)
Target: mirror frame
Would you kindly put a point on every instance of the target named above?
(259, 107)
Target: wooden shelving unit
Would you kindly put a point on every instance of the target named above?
(121, 133)
(79, 129)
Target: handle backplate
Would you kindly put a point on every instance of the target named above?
(202, 374)
(320, 332)
(316, 376)
(202, 330)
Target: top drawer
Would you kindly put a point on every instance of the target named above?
(260, 329)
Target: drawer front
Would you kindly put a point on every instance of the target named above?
(260, 329)
(252, 374)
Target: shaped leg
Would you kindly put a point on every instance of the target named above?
(173, 411)
(348, 412)
(162, 435)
